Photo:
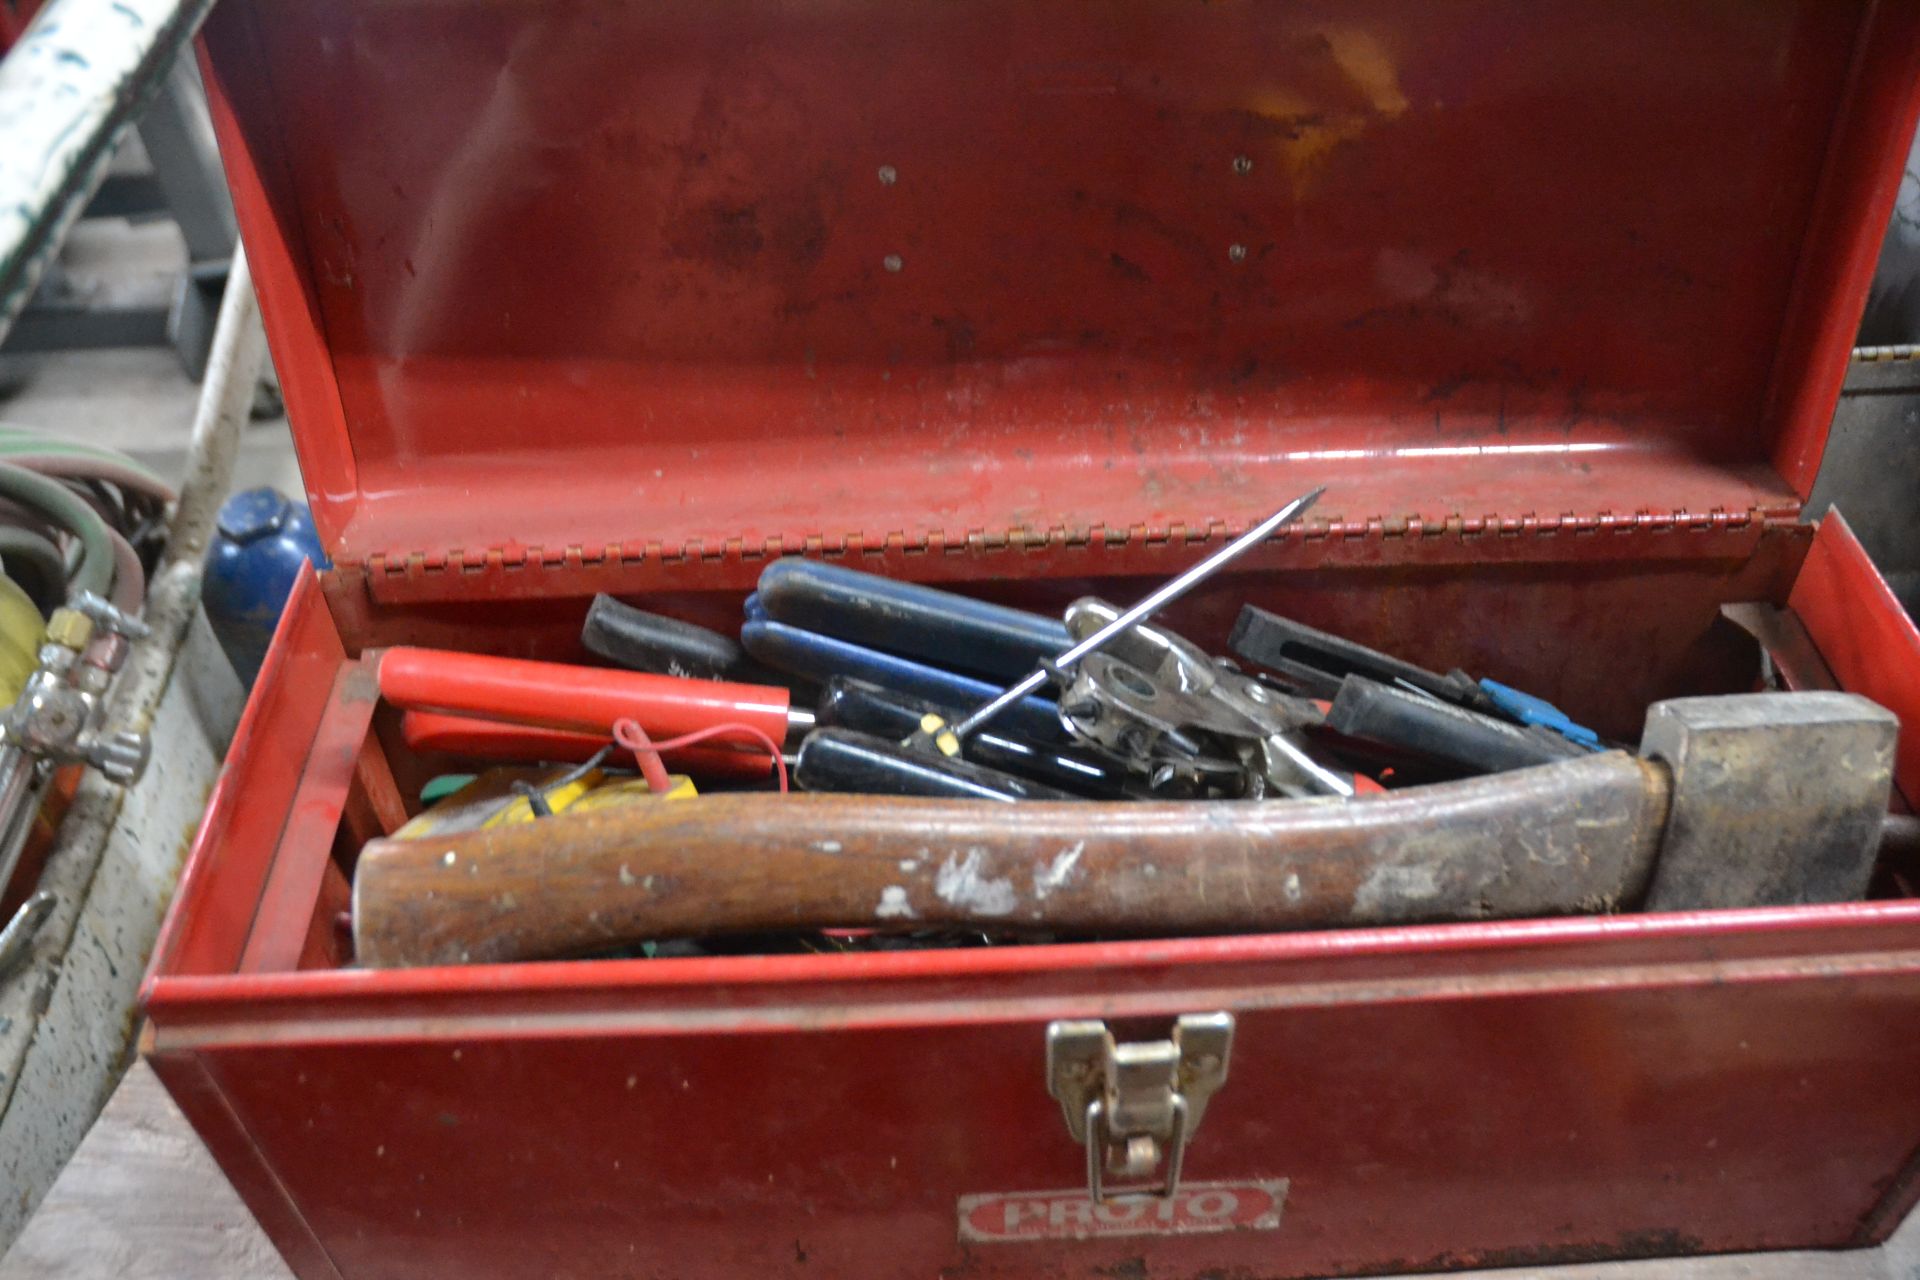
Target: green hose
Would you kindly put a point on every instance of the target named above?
(59, 504)
(38, 442)
(18, 441)
(30, 558)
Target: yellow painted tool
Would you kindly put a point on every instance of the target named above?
(21, 628)
(503, 797)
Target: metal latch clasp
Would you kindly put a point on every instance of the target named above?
(1135, 1106)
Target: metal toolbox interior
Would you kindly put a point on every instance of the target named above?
(1032, 300)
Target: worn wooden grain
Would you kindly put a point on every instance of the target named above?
(1575, 836)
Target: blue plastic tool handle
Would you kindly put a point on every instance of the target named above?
(1528, 709)
(820, 658)
(952, 631)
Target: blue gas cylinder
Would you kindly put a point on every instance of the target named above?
(262, 540)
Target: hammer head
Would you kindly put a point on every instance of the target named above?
(1777, 798)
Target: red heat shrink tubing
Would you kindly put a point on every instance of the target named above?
(583, 699)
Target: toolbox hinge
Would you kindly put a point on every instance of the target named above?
(1135, 1106)
(613, 561)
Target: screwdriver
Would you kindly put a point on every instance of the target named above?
(847, 760)
(1032, 748)
(554, 709)
(908, 618)
(947, 739)
(643, 641)
(870, 709)
(803, 659)
(810, 655)
(1441, 731)
(585, 699)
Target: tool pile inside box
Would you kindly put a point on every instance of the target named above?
(873, 360)
(889, 688)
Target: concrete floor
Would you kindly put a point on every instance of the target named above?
(137, 400)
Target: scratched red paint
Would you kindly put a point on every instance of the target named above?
(577, 295)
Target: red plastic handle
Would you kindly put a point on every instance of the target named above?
(494, 740)
(586, 699)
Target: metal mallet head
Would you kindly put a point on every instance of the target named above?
(1778, 798)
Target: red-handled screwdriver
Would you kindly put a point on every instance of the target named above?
(583, 699)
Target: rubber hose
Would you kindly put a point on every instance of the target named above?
(79, 466)
(59, 503)
(32, 520)
(17, 440)
(129, 579)
(28, 556)
(32, 441)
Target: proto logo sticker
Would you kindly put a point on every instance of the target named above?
(1072, 1215)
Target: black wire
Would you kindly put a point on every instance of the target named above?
(581, 770)
(536, 794)
(536, 799)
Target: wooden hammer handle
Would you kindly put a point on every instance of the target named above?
(1575, 836)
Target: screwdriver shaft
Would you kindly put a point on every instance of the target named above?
(1155, 601)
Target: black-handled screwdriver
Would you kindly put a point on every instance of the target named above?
(642, 641)
(868, 708)
(1440, 730)
(952, 631)
(843, 760)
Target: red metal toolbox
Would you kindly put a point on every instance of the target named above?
(1038, 298)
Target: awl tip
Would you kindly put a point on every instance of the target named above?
(1287, 514)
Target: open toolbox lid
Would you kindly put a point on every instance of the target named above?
(749, 274)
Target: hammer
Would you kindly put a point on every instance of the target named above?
(1738, 801)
